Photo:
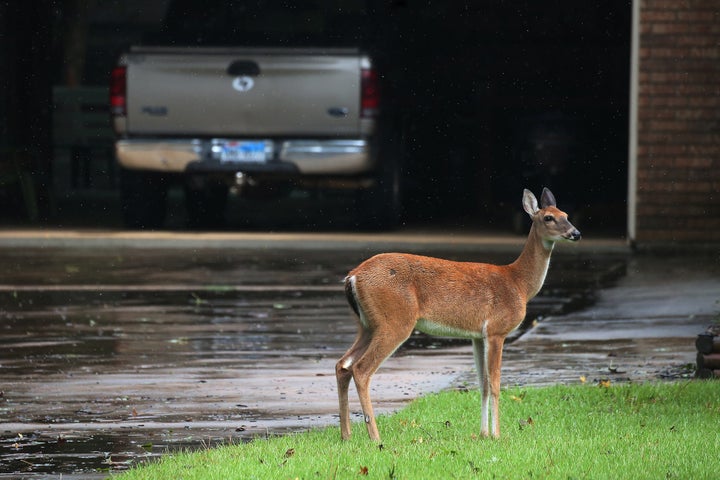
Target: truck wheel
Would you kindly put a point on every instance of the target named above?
(380, 207)
(205, 207)
(143, 198)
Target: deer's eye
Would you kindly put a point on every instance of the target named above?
(549, 218)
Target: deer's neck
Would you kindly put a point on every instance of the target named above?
(531, 266)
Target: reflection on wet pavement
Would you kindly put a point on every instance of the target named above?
(109, 358)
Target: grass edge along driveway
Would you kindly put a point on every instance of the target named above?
(634, 431)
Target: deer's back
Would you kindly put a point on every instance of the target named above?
(458, 295)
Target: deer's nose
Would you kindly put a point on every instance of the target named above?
(574, 235)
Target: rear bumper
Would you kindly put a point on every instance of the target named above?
(300, 157)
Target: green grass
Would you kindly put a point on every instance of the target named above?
(645, 431)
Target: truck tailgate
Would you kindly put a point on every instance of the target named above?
(242, 93)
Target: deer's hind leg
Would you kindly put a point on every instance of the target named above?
(344, 373)
(383, 343)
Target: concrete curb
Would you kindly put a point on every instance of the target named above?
(406, 241)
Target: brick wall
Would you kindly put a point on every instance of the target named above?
(678, 151)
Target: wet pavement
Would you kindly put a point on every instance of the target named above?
(118, 350)
(641, 328)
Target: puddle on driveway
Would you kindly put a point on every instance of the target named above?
(107, 359)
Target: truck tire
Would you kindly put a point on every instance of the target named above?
(143, 197)
(381, 206)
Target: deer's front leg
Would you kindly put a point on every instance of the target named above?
(493, 355)
(483, 384)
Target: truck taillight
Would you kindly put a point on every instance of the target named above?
(118, 86)
(370, 93)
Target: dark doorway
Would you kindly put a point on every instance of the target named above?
(498, 96)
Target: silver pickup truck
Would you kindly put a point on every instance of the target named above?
(256, 118)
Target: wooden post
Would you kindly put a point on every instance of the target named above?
(708, 356)
(709, 360)
(707, 343)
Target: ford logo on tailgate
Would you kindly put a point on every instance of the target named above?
(243, 84)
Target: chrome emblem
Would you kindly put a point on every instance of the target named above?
(243, 84)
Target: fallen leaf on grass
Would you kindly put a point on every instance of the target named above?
(289, 452)
(363, 471)
(526, 423)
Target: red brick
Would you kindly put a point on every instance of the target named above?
(659, 16)
(664, 5)
(674, 101)
(704, 114)
(685, 138)
(693, 162)
(670, 77)
(667, 52)
(694, 16)
(667, 125)
(712, 53)
(704, 101)
(696, 40)
(670, 28)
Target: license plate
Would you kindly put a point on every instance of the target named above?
(242, 151)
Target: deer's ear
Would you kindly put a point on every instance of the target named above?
(547, 199)
(530, 203)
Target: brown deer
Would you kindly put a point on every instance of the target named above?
(393, 294)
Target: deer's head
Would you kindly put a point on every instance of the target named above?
(550, 223)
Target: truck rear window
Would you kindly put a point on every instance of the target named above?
(336, 23)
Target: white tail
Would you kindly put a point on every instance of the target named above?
(395, 293)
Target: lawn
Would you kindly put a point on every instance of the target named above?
(635, 431)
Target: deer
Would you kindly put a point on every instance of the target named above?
(394, 294)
